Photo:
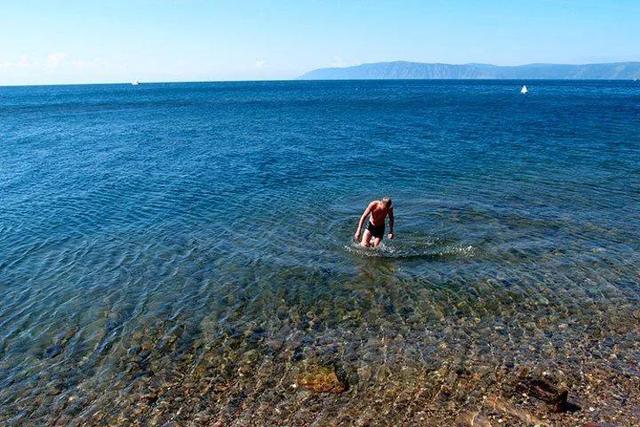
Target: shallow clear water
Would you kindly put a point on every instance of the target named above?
(181, 252)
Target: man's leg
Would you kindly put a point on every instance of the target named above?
(366, 239)
(375, 242)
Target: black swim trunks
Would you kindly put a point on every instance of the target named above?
(376, 230)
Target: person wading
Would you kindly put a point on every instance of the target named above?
(377, 212)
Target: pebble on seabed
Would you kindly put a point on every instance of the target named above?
(321, 379)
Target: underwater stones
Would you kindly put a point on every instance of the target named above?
(53, 350)
(55, 389)
(549, 393)
(507, 408)
(472, 419)
(134, 351)
(149, 398)
(254, 338)
(321, 379)
(364, 373)
(275, 344)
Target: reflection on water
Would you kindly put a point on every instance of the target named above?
(165, 265)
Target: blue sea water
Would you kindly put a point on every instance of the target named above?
(156, 240)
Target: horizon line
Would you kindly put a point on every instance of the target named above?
(298, 79)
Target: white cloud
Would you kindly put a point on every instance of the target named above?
(55, 59)
(57, 67)
(260, 63)
(23, 62)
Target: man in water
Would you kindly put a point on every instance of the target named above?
(377, 212)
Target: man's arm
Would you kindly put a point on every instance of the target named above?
(391, 235)
(362, 218)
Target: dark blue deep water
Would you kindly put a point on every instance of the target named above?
(181, 253)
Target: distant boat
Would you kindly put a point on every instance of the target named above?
(524, 90)
(135, 83)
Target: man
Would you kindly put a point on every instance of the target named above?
(374, 231)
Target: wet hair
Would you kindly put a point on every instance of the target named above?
(386, 201)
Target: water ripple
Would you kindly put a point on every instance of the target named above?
(181, 253)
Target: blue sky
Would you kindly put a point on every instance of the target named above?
(72, 41)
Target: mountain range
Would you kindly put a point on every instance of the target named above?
(419, 70)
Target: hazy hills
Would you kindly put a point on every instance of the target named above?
(418, 70)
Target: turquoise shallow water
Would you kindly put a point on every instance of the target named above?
(191, 243)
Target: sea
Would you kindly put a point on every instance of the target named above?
(182, 254)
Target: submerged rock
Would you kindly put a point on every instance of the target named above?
(53, 351)
(472, 419)
(549, 393)
(321, 379)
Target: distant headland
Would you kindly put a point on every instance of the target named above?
(418, 70)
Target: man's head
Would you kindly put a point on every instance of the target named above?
(386, 202)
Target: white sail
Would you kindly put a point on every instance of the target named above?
(524, 90)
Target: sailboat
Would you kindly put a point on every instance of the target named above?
(524, 90)
(135, 83)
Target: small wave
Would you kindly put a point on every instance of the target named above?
(407, 251)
